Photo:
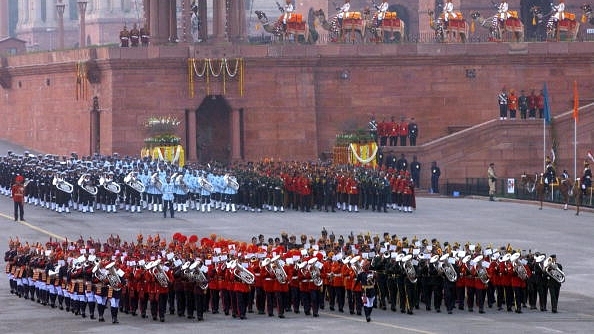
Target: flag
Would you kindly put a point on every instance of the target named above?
(576, 103)
(547, 107)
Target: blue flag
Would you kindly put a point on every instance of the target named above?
(547, 105)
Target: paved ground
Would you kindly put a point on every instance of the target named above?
(448, 219)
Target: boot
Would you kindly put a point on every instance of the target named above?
(491, 198)
(114, 315)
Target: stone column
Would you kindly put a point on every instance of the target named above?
(60, 6)
(235, 135)
(173, 21)
(159, 21)
(3, 19)
(191, 144)
(82, 9)
(186, 33)
(218, 24)
(202, 7)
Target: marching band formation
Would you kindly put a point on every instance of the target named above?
(191, 277)
(112, 183)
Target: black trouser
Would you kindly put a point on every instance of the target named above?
(542, 288)
(18, 210)
(168, 205)
(554, 288)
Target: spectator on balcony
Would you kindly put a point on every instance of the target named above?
(372, 127)
(540, 104)
(523, 104)
(532, 105)
(512, 104)
(502, 100)
(384, 131)
(394, 129)
(413, 132)
(403, 131)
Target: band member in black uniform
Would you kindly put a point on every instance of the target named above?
(378, 264)
(368, 293)
(554, 286)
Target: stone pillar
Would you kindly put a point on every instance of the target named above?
(82, 12)
(203, 18)
(37, 21)
(146, 4)
(236, 24)
(235, 135)
(172, 21)
(3, 19)
(60, 7)
(159, 21)
(218, 24)
(191, 144)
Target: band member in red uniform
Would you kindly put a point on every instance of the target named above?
(352, 189)
(18, 196)
(518, 281)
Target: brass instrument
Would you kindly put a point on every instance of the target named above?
(241, 273)
(110, 185)
(314, 271)
(481, 272)
(447, 269)
(231, 182)
(205, 184)
(355, 264)
(55, 271)
(156, 182)
(194, 273)
(409, 268)
(113, 279)
(275, 267)
(518, 267)
(62, 185)
(83, 183)
(134, 183)
(180, 181)
(551, 268)
(155, 268)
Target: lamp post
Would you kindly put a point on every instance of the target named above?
(82, 9)
(60, 10)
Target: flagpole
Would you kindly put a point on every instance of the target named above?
(574, 148)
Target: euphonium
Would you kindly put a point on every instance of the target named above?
(113, 279)
(110, 185)
(205, 184)
(134, 183)
(231, 182)
(481, 272)
(180, 181)
(156, 182)
(553, 270)
(355, 264)
(518, 267)
(156, 270)
(240, 272)
(447, 268)
(409, 268)
(55, 271)
(197, 275)
(314, 271)
(63, 185)
(85, 184)
(275, 267)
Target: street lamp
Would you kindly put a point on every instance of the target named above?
(82, 9)
(60, 10)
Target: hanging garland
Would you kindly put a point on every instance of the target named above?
(81, 80)
(361, 160)
(207, 68)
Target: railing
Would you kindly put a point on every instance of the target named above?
(480, 187)
(482, 37)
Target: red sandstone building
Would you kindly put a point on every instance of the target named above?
(288, 101)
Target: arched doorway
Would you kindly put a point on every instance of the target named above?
(213, 125)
